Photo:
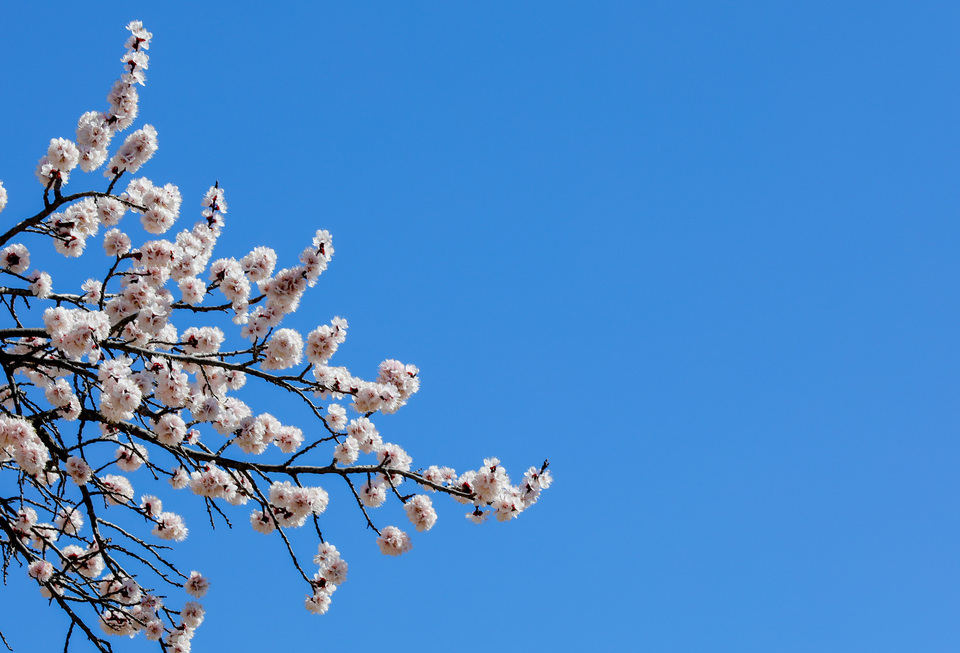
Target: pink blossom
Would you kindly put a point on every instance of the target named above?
(180, 479)
(136, 150)
(420, 512)
(393, 541)
(69, 521)
(116, 489)
(131, 456)
(41, 570)
(347, 452)
(197, 585)
(78, 470)
(15, 258)
(283, 350)
(258, 264)
(262, 522)
(169, 526)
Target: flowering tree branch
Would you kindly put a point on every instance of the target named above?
(102, 384)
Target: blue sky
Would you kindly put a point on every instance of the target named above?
(700, 255)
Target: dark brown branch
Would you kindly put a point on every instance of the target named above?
(59, 201)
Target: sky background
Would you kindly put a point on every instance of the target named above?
(701, 255)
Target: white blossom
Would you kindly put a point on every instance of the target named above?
(393, 541)
(15, 258)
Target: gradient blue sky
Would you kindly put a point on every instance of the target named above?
(701, 255)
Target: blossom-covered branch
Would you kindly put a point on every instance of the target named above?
(106, 383)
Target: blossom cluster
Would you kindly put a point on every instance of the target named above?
(19, 441)
(96, 129)
(119, 382)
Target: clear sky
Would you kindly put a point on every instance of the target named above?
(701, 255)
